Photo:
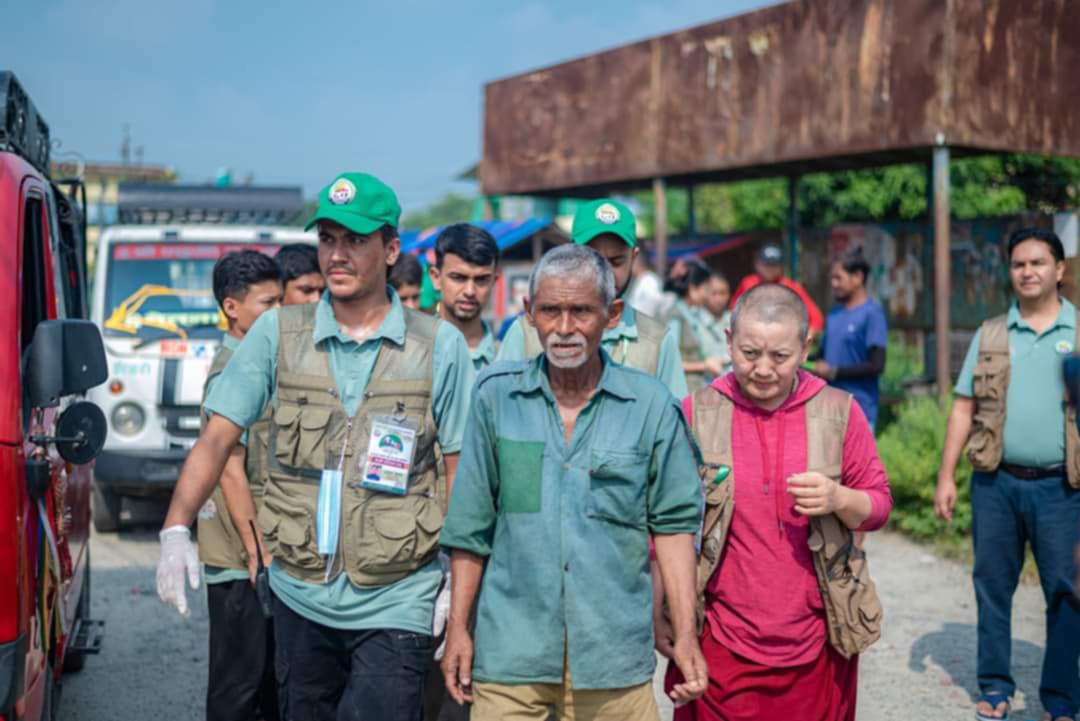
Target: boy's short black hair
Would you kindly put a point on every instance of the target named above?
(297, 259)
(1047, 236)
(474, 245)
(236, 272)
(406, 271)
(853, 262)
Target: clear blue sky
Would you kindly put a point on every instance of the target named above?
(295, 92)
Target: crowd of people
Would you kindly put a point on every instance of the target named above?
(402, 517)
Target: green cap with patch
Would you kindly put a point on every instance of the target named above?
(360, 202)
(603, 216)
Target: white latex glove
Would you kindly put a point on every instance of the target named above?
(442, 612)
(178, 555)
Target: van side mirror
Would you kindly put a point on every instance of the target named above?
(66, 357)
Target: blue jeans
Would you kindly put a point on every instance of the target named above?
(328, 674)
(1007, 513)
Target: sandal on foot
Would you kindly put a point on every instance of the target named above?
(995, 699)
(1058, 715)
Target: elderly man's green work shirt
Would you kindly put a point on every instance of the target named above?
(565, 528)
(248, 383)
(669, 368)
(1035, 403)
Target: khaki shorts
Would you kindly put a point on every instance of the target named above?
(535, 701)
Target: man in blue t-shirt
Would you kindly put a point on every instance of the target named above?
(853, 347)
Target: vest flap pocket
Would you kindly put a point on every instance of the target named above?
(290, 532)
(286, 414)
(617, 483)
(313, 419)
(430, 518)
(394, 524)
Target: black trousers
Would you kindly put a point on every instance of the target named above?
(328, 674)
(241, 686)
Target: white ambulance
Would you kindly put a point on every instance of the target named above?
(153, 300)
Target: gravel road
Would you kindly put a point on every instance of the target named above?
(153, 663)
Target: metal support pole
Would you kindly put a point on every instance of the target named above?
(942, 272)
(660, 226)
(691, 215)
(793, 226)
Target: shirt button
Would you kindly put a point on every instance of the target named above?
(566, 566)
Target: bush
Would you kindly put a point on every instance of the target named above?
(903, 362)
(911, 449)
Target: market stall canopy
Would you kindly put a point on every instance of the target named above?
(507, 233)
(805, 86)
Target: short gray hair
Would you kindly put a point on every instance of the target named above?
(772, 303)
(579, 262)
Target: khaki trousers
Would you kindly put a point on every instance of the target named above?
(536, 701)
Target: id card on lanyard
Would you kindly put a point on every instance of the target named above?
(389, 456)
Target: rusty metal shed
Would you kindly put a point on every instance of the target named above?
(805, 86)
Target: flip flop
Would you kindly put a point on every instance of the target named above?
(995, 699)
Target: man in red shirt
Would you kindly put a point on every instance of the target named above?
(769, 268)
(765, 635)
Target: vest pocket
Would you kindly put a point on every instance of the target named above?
(288, 522)
(395, 534)
(617, 482)
(301, 435)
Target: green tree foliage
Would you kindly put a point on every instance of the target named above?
(981, 186)
(451, 208)
(911, 450)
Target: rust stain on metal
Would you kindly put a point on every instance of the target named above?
(807, 84)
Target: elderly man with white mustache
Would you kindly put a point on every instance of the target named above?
(571, 461)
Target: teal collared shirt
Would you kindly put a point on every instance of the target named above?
(248, 383)
(1035, 405)
(483, 354)
(217, 574)
(565, 527)
(693, 321)
(669, 370)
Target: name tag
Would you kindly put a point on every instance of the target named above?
(389, 456)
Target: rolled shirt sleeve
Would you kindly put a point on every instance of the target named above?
(862, 469)
(470, 521)
(247, 383)
(965, 382)
(675, 503)
(669, 369)
(453, 377)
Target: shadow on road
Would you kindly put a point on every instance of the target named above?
(953, 649)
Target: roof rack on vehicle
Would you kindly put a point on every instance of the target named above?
(158, 203)
(22, 130)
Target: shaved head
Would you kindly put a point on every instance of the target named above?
(771, 303)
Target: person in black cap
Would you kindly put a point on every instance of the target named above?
(769, 268)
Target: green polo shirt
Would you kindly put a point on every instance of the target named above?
(483, 354)
(565, 527)
(1035, 405)
(669, 368)
(249, 381)
(217, 574)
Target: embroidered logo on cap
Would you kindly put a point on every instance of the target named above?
(342, 191)
(1063, 347)
(607, 214)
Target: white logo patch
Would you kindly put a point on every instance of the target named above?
(342, 191)
(1063, 347)
(209, 510)
(607, 214)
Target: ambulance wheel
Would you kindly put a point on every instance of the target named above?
(106, 510)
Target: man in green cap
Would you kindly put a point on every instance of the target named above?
(638, 341)
(369, 406)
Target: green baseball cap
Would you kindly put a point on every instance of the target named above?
(360, 202)
(603, 216)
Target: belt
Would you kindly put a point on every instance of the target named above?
(1030, 473)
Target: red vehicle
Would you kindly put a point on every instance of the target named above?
(49, 357)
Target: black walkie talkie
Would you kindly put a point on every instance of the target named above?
(262, 579)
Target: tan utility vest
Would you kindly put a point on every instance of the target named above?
(642, 353)
(219, 542)
(383, 537)
(986, 444)
(852, 609)
(690, 352)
